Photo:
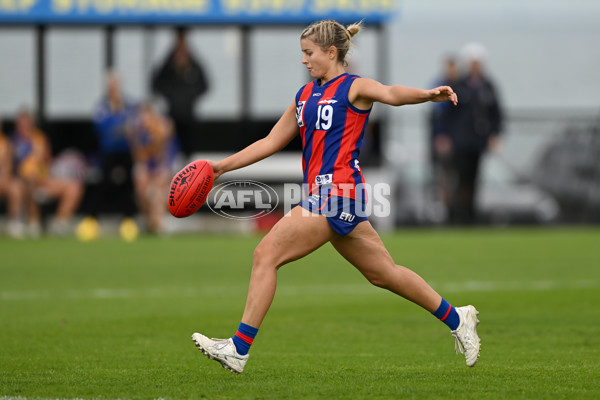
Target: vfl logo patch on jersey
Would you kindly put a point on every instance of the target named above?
(299, 109)
(324, 179)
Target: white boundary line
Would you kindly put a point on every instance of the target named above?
(287, 290)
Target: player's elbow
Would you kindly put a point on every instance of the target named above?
(277, 141)
(271, 146)
(394, 98)
(397, 103)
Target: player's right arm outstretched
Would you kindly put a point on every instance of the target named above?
(282, 133)
(364, 92)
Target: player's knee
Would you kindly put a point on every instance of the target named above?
(262, 257)
(380, 278)
(377, 280)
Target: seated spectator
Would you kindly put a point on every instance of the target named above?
(11, 189)
(153, 148)
(32, 160)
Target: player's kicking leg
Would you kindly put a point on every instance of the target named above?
(294, 236)
(364, 249)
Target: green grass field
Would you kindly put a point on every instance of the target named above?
(110, 320)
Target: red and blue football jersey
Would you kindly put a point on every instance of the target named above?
(332, 132)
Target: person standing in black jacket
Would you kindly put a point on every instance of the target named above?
(181, 81)
(440, 143)
(474, 125)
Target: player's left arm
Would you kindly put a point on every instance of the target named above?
(282, 133)
(365, 92)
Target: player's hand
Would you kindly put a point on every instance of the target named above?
(217, 170)
(443, 93)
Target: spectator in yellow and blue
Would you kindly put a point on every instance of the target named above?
(11, 189)
(112, 121)
(32, 161)
(154, 149)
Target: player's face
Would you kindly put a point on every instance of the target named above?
(316, 60)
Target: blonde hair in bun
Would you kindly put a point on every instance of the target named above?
(354, 29)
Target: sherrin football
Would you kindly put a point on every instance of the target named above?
(189, 188)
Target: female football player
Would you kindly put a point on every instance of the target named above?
(330, 114)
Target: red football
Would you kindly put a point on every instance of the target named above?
(189, 188)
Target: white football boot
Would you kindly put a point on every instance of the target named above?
(466, 340)
(221, 350)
